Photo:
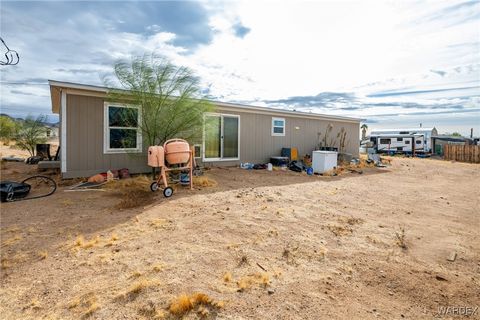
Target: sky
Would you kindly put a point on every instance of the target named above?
(392, 63)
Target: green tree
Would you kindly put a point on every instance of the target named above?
(7, 129)
(167, 95)
(31, 132)
(456, 134)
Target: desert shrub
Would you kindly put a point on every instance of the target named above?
(31, 132)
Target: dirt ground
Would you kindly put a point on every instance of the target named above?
(259, 245)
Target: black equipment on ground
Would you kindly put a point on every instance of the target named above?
(17, 191)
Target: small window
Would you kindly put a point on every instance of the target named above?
(418, 142)
(198, 150)
(407, 141)
(384, 141)
(399, 148)
(122, 133)
(404, 132)
(400, 139)
(278, 127)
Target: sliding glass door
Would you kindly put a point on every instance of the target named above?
(221, 137)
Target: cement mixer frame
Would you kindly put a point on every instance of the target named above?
(175, 150)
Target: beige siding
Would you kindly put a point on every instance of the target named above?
(85, 138)
(85, 135)
(257, 143)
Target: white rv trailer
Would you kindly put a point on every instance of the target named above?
(400, 143)
(400, 140)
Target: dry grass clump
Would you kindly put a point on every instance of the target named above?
(184, 303)
(204, 181)
(261, 279)
(351, 220)
(112, 240)
(81, 242)
(150, 311)
(7, 262)
(12, 240)
(134, 192)
(339, 230)
(227, 277)
(158, 267)
(42, 255)
(87, 304)
(400, 239)
(135, 289)
(289, 254)
(243, 259)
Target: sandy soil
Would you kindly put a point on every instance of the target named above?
(261, 245)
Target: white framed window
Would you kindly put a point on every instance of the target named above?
(121, 128)
(278, 126)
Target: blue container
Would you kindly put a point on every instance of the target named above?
(310, 171)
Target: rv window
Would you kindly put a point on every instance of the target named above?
(404, 132)
(407, 141)
(418, 142)
(384, 141)
(399, 139)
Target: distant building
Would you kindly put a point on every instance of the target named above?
(51, 130)
(404, 140)
(440, 141)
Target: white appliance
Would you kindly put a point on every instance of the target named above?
(323, 161)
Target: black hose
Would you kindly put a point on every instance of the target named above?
(51, 181)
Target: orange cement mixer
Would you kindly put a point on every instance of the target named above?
(175, 152)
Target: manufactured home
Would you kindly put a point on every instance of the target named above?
(418, 140)
(90, 136)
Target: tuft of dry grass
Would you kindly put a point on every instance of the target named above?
(400, 238)
(243, 260)
(289, 254)
(9, 261)
(135, 289)
(86, 305)
(351, 220)
(227, 277)
(204, 181)
(35, 304)
(339, 230)
(134, 192)
(112, 240)
(158, 267)
(261, 279)
(135, 274)
(12, 240)
(42, 255)
(184, 303)
(181, 305)
(80, 242)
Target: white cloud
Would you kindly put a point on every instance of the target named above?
(291, 49)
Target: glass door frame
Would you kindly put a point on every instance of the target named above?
(222, 116)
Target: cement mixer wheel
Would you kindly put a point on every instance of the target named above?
(167, 192)
(154, 186)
